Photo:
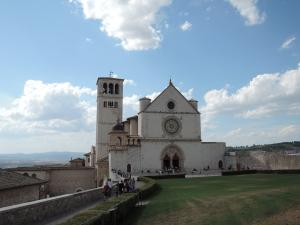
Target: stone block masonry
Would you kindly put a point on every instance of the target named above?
(37, 212)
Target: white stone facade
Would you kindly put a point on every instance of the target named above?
(165, 134)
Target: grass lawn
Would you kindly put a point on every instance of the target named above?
(246, 199)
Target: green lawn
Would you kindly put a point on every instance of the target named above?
(245, 199)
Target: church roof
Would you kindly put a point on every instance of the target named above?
(118, 127)
(144, 98)
(77, 159)
(10, 180)
(132, 117)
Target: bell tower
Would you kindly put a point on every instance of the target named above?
(109, 111)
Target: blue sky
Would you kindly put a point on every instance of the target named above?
(240, 59)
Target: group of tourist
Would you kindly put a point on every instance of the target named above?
(128, 185)
(121, 173)
(107, 189)
(123, 186)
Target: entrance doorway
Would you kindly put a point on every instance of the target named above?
(221, 164)
(172, 159)
(166, 162)
(128, 168)
(175, 161)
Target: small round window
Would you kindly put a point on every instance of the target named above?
(171, 105)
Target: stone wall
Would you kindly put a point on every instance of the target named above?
(41, 211)
(261, 160)
(70, 181)
(114, 210)
(19, 195)
(63, 180)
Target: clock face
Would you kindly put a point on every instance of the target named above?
(172, 126)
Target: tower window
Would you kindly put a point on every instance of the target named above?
(105, 88)
(110, 104)
(116, 104)
(105, 104)
(117, 89)
(120, 140)
(110, 88)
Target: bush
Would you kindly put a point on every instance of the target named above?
(114, 208)
(149, 188)
(242, 172)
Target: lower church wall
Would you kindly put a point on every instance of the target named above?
(119, 160)
(203, 155)
(196, 155)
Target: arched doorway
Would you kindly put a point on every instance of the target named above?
(172, 157)
(175, 161)
(221, 164)
(128, 168)
(166, 162)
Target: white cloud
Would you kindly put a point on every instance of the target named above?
(129, 82)
(188, 94)
(133, 22)
(88, 40)
(289, 131)
(64, 141)
(114, 75)
(153, 95)
(258, 135)
(186, 26)
(132, 102)
(234, 133)
(126, 81)
(248, 9)
(288, 42)
(265, 95)
(49, 108)
(261, 111)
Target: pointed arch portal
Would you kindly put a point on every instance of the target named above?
(172, 157)
(166, 162)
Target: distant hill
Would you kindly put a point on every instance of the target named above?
(293, 146)
(20, 159)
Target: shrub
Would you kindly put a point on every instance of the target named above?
(114, 208)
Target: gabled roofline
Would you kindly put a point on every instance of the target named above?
(170, 84)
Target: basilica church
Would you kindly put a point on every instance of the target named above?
(164, 135)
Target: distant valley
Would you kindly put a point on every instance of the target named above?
(20, 159)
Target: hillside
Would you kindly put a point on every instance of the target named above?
(276, 147)
(20, 159)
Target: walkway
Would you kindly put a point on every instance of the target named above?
(62, 218)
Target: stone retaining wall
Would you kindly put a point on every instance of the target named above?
(260, 160)
(116, 210)
(42, 210)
